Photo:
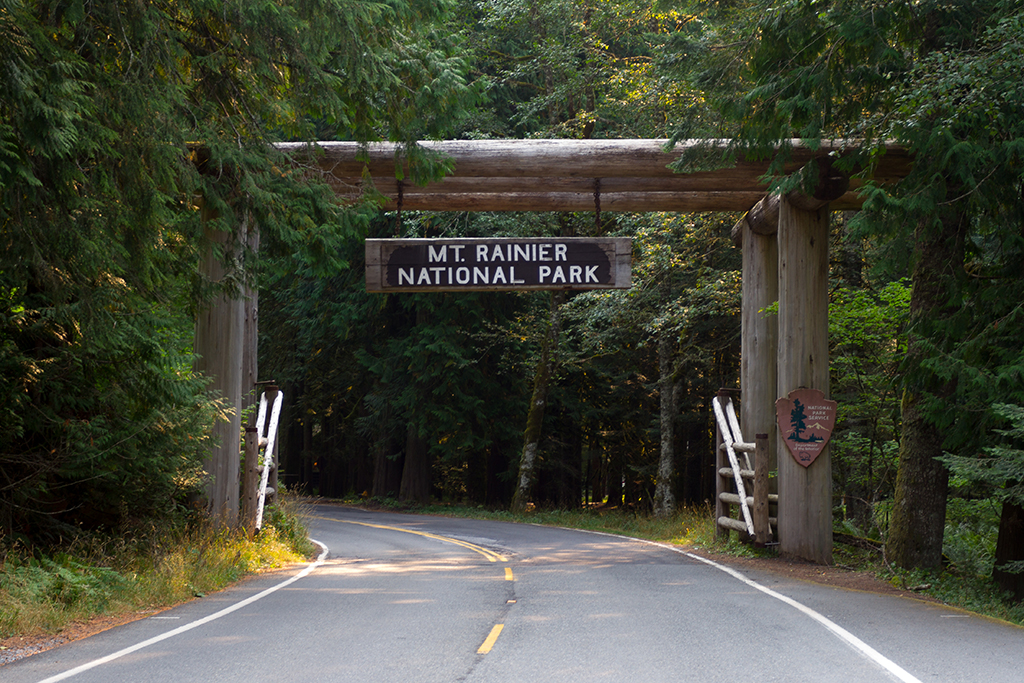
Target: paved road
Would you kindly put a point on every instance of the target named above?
(403, 598)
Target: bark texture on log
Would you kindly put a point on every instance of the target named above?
(218, 345)
(805, 493)
(555, 175)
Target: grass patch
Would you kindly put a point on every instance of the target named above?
(148, 569)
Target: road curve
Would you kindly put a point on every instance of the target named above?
(404, 598)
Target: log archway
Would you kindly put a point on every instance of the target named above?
(784, 240)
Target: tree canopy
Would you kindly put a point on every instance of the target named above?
(123, 126)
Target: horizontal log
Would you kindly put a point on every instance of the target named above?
(388, 186)
(515, 201)
(515, 158)
(734, 524)
(734, 499)
(557, 175)
(634, 158)
(739, 525)
(727, 473)
(739, 447)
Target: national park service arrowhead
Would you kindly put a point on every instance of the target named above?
(806, 419)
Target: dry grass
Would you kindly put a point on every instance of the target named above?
(149, 570)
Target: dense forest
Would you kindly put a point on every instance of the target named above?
(128, 129)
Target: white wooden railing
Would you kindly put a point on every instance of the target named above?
(754, 521)
(260, 462)
(268, 439)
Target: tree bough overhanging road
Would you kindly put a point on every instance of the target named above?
(402, 597)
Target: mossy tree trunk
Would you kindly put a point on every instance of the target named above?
(922, 482)
(535, 416)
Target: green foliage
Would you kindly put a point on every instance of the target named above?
(1000, 470)
(565, 68)
(116, 118)
(941, 78)
(868, 342)
(969, 542)
(144, 569)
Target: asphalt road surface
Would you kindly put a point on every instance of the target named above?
(412, 599)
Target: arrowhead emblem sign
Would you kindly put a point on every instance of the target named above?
(805, 420)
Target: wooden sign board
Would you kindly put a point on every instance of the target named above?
(498, 264)
(806, 419)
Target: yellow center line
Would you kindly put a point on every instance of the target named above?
(491, 638)
(508, 574)
(491, 556)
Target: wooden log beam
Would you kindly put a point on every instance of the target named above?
(727, 473)
(558, 175)
(544, 185)
(522, 201)
(635, 158)
(830, 186)
(515, 158)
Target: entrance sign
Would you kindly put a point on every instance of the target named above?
(498, 264)
(806, 419)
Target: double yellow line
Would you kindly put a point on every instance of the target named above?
(491, 556)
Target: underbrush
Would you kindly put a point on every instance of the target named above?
(141, 570)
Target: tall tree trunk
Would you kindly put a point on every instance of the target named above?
(535, 416)
(1010, 548)
(218, 345)
(664, 498)
(922, 482)
(415, 486)
(249, 388)
(416, 470)
(388, 462)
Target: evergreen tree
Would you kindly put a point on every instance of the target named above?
(937, 77)
(115, 118)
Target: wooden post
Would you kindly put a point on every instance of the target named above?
(218, 347)
(759, 342)
(805, 494)
(762, 526)
(250, 478)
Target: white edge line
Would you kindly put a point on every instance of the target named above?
(853, 641)
(191, 625)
